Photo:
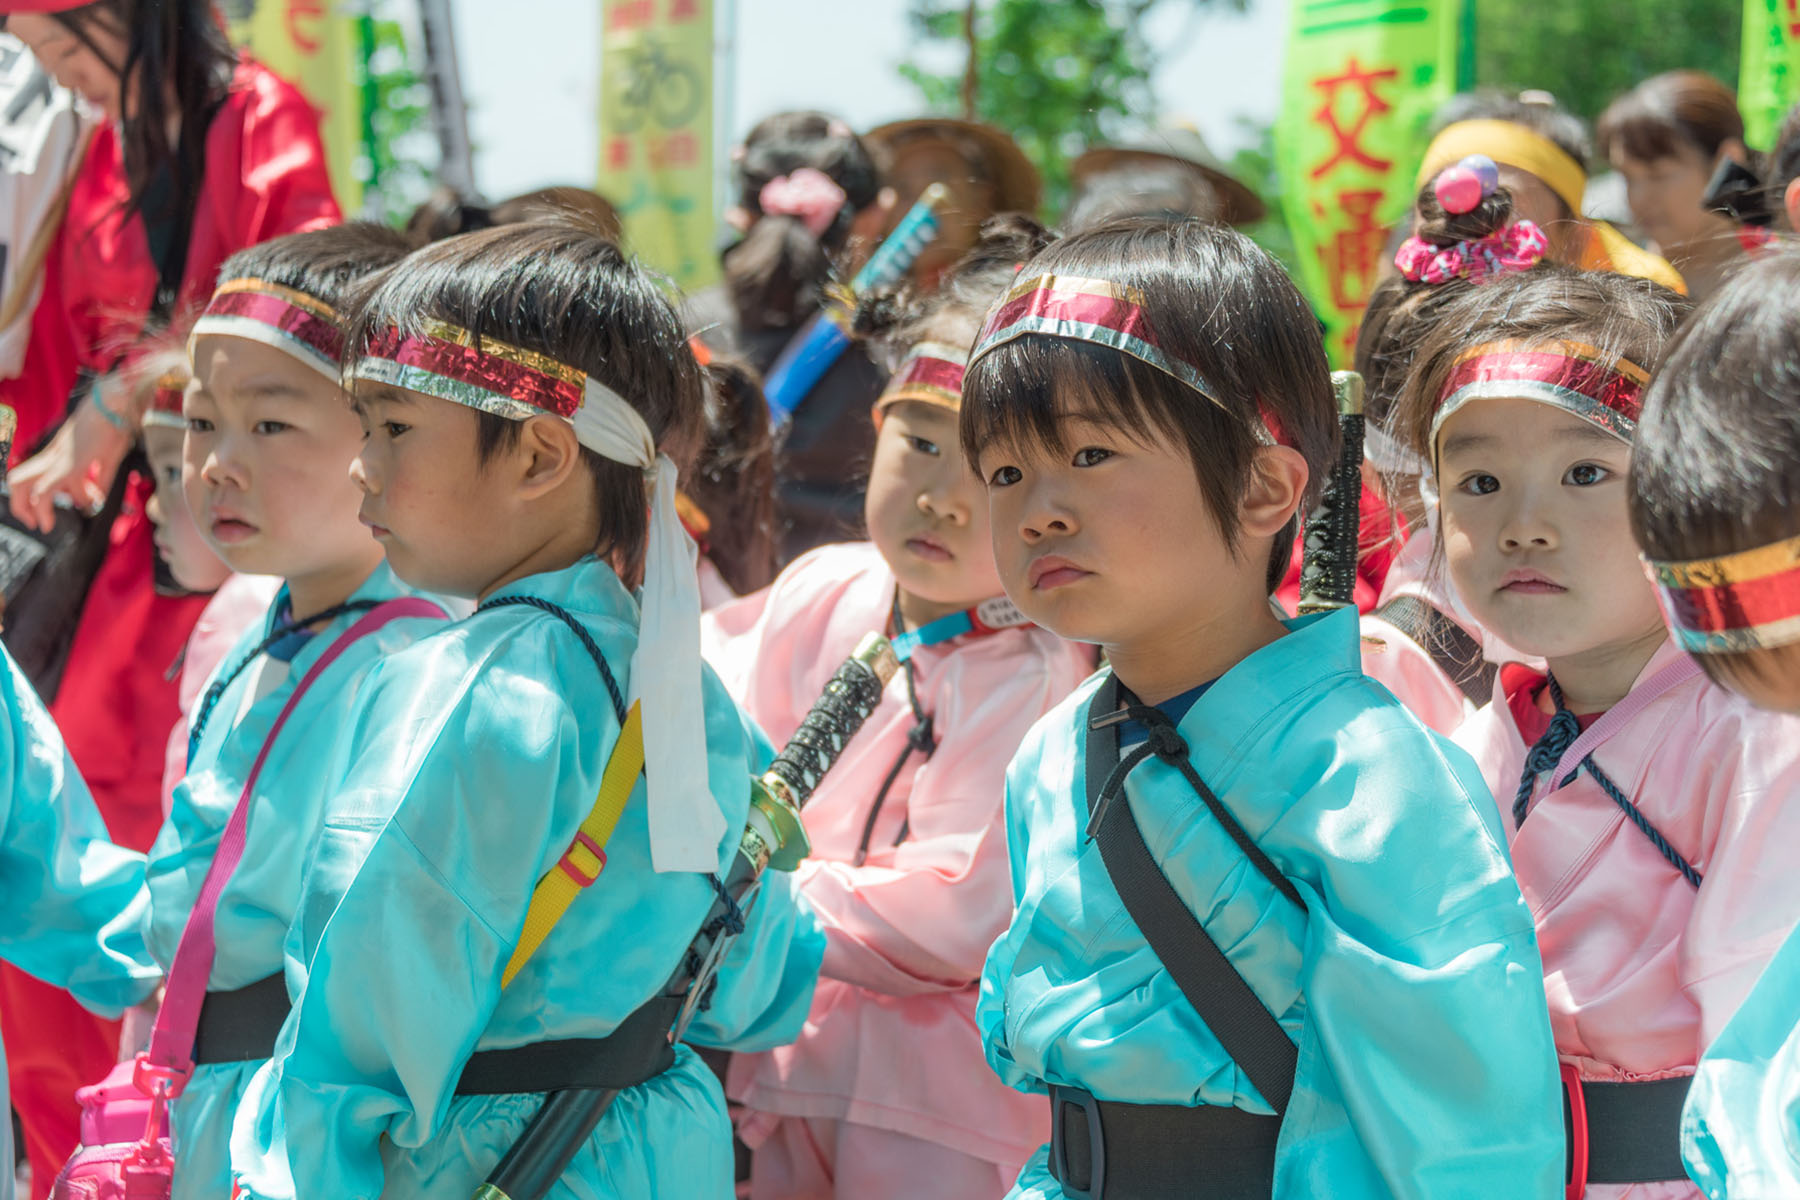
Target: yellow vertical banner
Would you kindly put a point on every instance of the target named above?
(1361, 80)
(656, 131)
(1769, 72)
(313, 45)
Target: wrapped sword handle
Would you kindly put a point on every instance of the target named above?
(1328, 573)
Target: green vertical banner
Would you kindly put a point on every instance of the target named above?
(315, 45)
(1361, 80)
(656, 131)
(1769, 72)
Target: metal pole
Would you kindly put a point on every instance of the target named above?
(449, 113)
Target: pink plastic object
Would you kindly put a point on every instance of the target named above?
(113, 1110)
(1458, 189)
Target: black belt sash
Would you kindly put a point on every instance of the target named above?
(1631, 1132)
(1107, 1151)
(242, 1025)
(637, 1051)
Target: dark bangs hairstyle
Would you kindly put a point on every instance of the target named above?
(1213, 299)
(1668, 112)
(563, 291)
(175, 49)
(1619, 315)
(895, 319)
(327, 264)
(1715, 469)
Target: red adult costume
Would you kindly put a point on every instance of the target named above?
(265, 176)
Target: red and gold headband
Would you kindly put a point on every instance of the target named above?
(1605, 391)
(280, 317)
(451, 363)
(165, 402)
(932, 374)
(1090, 310)
(1739, 602)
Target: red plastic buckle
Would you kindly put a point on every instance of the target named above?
(567, 863)
(157, 1080)
(1575, 1117)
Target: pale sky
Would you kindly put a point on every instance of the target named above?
(530, 73)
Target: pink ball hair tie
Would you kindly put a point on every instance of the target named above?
(808, 195)
(1462, 187)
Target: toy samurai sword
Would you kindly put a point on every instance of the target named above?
(1328, 575)
(773, 838)
(826, 337)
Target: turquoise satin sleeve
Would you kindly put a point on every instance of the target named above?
(488, 747)
(1740, 1131)
(72, 904)
(1410, 980)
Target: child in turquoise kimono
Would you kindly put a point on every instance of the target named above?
(1150, 409)
(525, 392)
(266, 465)
(71, 902)
(1715, 480)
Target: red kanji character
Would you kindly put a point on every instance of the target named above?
(1374, 106)
(681, 150)
(618, 153)
(1353, 255)
(306, 41)
(635, 14)
(683, 10)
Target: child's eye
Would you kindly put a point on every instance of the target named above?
(199, 425)
(172, 474)
(1005, 477)
(1091, 456)
(394, 428)
(1479, 485)
(1587, 474)
(922, 446)
(271, 427)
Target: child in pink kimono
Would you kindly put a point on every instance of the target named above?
(886, 1092)
(1652, 818)
(1418, 642)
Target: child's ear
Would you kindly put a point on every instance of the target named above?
(1278, 478)
(1791, 200)
(546, 456)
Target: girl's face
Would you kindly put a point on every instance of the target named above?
(1666, 195)
(926, 512)
(266, 467)
(440, 514)
(192, 562)
(1111, 541)
(95, 77)
(1536, 531)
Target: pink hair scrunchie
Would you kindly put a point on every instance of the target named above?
(808, 195)
(1517, 247)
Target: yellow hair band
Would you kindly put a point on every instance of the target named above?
(1510, 145)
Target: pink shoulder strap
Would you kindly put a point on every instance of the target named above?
(1616, 717)
(172, 1038)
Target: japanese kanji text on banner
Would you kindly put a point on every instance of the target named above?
(1769, 75)
(656, 118)
(1362, 78)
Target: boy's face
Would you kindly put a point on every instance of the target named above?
(926, 511)
(267, 463)
(442, 518)
(1111, 541)
(191, 560)
(1536, 531)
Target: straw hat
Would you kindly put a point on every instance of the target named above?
(1185, 146)
(1016, 184)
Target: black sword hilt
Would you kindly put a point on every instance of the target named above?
(1328, 574)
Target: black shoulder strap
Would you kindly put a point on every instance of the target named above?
(1456, 654)
(1250, 1034)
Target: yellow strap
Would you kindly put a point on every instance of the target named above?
(559, 886)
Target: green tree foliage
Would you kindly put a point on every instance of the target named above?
(1588, 52)
(1059, 75)
(397, 135)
